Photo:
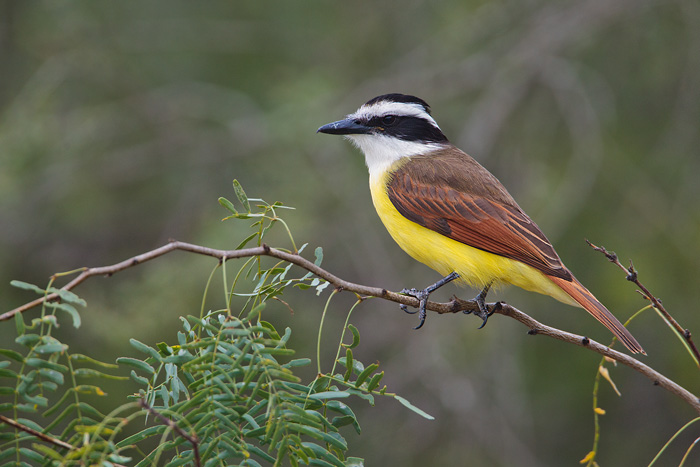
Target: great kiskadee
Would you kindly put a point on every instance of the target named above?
(447, 211)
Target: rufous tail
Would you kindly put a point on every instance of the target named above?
(586, 299)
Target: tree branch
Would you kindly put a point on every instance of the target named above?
(44, 437)
(537, 328)
(632, 276)
(453, 306)
(166, 421)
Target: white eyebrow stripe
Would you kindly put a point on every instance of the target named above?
(401, 109)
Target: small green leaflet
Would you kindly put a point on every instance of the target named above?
(228, 205)
(329, 395)
(405, 403)
(27, 286)
(68, 308)
(355, 337)
(318, 253)
(242, 197)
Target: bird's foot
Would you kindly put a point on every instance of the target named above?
(422, 296)
(483, 311)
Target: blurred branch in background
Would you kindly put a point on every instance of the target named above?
(31, 431)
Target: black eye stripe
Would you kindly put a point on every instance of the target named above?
(408, 128)
(380, 121)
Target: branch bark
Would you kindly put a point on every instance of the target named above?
(44, 437)
(633, 277)
(453, 306)
(182, 433)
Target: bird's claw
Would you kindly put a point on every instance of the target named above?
(483, 312)
(422, 296)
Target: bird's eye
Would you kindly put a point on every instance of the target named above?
(388, 120)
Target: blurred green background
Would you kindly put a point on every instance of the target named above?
(122, 122)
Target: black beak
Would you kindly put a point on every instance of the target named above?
(344, 127)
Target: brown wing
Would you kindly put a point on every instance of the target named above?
(450, 193)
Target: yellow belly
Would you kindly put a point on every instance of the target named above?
(475, 267)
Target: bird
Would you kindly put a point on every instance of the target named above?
(450, 213)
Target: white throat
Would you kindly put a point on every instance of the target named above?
(381, 151)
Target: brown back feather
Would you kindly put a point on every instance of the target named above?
(450, 193)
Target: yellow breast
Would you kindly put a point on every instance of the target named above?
(475, 267)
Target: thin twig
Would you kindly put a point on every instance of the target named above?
(263, 250)
(194, 441)
(453, 306)
(633, 277)
(537, 328)
(33, 432)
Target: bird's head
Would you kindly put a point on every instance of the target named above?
(390, 127)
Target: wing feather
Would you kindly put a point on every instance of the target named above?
(437, 197)
(450, 193)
